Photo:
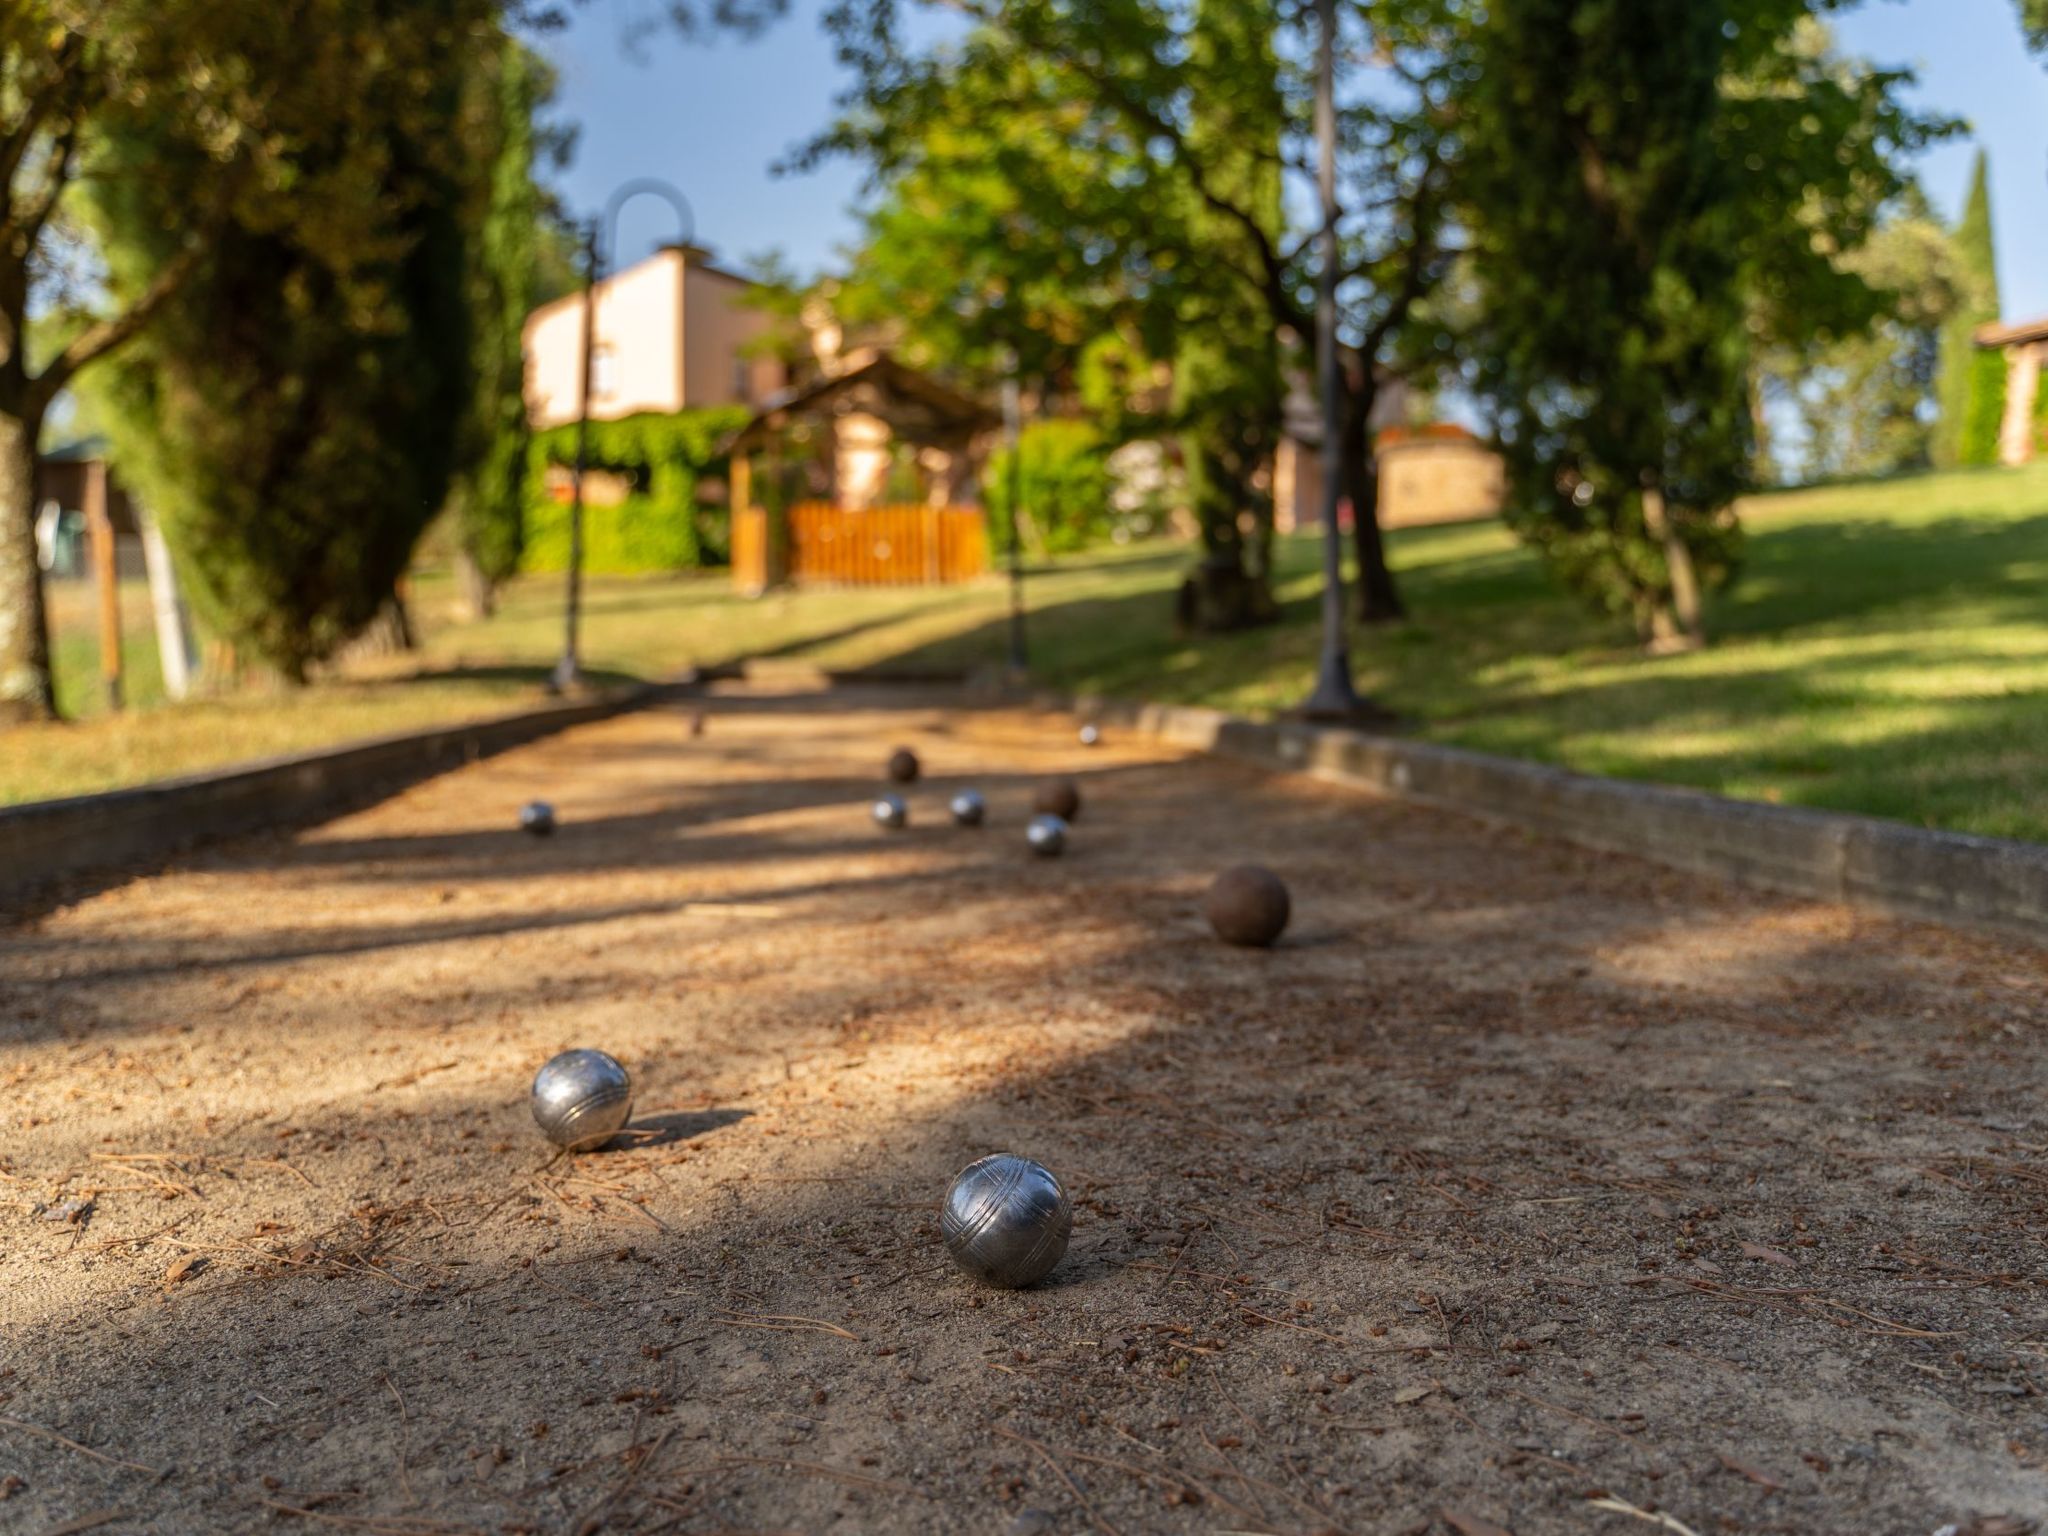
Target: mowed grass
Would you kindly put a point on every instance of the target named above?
(1886, 651)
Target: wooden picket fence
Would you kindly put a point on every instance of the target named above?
(882, 546)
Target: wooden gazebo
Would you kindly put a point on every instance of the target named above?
(872, 403)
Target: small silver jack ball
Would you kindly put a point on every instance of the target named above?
(582, 1099)
(1091, 735)
(538, 818)
(1047, 836)
(1007, 1221)
(968, 808)
(890, 813)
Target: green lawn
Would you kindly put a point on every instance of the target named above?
(1886, 651)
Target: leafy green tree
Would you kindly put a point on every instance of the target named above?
(1104, 112)
(1972, 384)
(71, 73)
(1063, 486)
(1649, 195)
(293, 413)
(1864, 401)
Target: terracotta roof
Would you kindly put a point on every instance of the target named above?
(915, 405)
(1999, 334)
(1428, 432)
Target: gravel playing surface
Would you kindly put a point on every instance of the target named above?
(1518, 1189)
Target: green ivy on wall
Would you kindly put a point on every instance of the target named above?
(660, 525)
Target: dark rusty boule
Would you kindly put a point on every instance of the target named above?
(1057, 797)
(1248, 905)
(903, 766)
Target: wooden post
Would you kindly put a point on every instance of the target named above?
(99, 523)
(173, 627)
(749, 564)
(929, 532)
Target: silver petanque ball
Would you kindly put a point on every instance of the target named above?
(1007, 1221)
(537, 817)
(581, 1099)
(968, 808)
(1091, 735)
(1047, 836)
(890, 813)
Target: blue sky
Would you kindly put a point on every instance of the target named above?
(713, 118)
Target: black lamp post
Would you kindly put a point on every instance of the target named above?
(1013, 412)
(1334, 698)
(597, 234)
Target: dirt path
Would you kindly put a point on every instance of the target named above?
(1522, 1188)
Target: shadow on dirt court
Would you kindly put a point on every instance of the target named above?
(1521, 1188)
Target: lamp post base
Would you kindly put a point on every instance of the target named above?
(567, 679)
(1336, 702)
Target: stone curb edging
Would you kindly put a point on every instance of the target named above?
(48, 844)
(1862, 860)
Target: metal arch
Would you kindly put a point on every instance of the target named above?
(650, 186)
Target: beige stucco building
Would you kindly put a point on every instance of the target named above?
(1433, 474)
(2026, 348)
(671, 335)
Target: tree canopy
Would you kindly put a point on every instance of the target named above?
(1151, 141)
(1650, 194)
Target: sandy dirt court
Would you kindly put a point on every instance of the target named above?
(1521, 1189)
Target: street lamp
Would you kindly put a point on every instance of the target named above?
(598, 234)
(1334, 697)
(1013, 413)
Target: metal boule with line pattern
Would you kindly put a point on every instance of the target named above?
(1047, 836)
(890, 813)
(538, 818)
(1007, 1221)
(581, 1099)
(969, 808)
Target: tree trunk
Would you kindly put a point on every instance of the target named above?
(388, 634)
(1678, 625)
(1379, 599)
(476, 592)
(1223, 592)
(26, 690)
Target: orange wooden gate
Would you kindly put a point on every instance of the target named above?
(883, 546)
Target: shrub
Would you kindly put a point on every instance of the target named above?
(660, 525)
(1063, 483)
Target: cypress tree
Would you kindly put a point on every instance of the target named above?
(292, 416)
(1971, 395)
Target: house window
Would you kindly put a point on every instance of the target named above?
(604, 372)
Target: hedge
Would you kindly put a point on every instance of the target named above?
(660, 525)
